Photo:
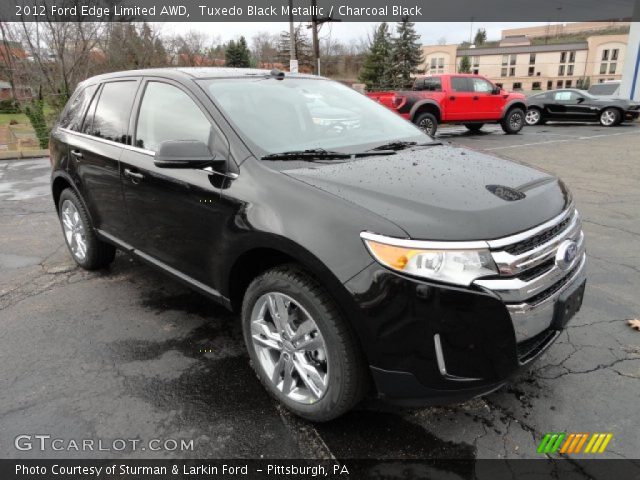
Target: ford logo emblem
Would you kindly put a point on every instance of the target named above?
(505, 193)
(567, 253)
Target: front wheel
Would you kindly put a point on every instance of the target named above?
(427, 122)
(610, 117)
(474, 127)
(300, 346)
(513, 121)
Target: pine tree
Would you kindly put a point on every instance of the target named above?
(465, 65)
(480, 38)
(243, 54)
(303, 51)
(232, 54)
(406, 55)
(375, 69)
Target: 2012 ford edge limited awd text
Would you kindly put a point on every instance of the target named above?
(363, 255)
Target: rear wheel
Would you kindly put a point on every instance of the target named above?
(533, 117)
(474, 127)
(300, 346)
(86, 249)
(610, 117)
(427, 122)
(513, 121)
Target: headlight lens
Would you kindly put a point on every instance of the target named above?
(450, 264)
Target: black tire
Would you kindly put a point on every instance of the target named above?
(610, 117)
(513, 121)
(474, 127)
(347, 379)
(427, 122)
(98, 254)
(534, 119)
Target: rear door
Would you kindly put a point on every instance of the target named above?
(459, 103)
(95, 150)
(175, 213)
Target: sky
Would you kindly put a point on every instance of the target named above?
(431, 32)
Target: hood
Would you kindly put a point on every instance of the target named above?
(443, 193)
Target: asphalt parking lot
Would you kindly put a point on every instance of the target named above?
(129, 353)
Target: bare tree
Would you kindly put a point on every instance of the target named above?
(264, 48)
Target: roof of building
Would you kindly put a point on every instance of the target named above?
(558, 47)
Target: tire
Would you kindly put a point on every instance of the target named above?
(427, 122)
(86, 249)
(336, 359)
(474, 127)
(513, 121)
(610, 117)
(533, 117)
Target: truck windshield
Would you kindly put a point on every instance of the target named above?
(303, 114)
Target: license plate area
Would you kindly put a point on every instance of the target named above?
(567, 306)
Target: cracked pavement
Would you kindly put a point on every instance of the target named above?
(129, 353)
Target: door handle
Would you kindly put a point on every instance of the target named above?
(452, 97)
(475, 98)
(77, 153)
(133, 175)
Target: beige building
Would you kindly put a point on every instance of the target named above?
(518, 63)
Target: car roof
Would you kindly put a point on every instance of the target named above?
(184, 73)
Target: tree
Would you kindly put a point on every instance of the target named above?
(406, 54)
(375, 71)
(303, 52)
(480, 38)
(465, 65)
(237, 54)
(264, 46)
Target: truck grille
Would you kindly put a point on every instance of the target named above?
(539, 239)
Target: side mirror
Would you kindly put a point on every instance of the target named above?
(186, 154)
(496, 90)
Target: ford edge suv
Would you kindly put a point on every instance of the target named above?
(363, 257)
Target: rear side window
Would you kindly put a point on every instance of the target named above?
(111, 117)
(73, 115)
(168, 113)
(432, 84)
(460, 84)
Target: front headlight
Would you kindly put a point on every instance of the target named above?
(459, 263)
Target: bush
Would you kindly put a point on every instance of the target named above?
(35, 113)
(9, 106)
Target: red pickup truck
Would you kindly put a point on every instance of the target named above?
(468, 99)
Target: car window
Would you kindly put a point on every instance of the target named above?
(433, 84)
(565, 96)
(481, 85)
(73, 115)
(168, 113)
(460, 84)
(111, 117)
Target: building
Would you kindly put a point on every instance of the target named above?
(530, 59)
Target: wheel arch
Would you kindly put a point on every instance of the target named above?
(514, 104)
(60, 182)
(430, 106)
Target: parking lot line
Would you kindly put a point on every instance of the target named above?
(561, 140)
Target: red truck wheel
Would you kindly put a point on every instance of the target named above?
(427, 122)
(513, 121)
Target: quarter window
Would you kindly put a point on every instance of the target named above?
(168, 113)
(111, 118)
(432, 84)
(72, 117)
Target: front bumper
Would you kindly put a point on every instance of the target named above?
(430, 343)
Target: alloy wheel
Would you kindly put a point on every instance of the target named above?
(515, 120)
(290, 347)
(426, 125)
(532, 117)
(74, 230)
(608, 117)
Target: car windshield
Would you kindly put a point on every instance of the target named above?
(305, 113)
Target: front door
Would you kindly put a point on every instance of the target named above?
(487, 105)
(175, 213)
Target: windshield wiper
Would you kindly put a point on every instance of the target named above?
(399, 145)
(309, 154)
(321, 154)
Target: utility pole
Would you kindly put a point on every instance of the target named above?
(293, 57)
(316, 23)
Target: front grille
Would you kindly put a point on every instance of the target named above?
(537, 270)
(542, 296)
(537, 240)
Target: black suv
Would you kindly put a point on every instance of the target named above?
(361, 253)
